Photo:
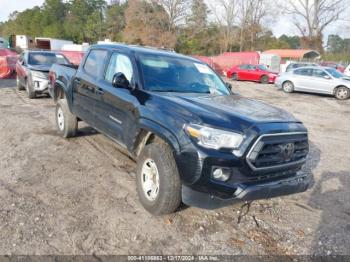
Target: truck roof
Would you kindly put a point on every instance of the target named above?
(144, 50)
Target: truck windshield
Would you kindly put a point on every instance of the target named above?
(171, 74)
(46, 59)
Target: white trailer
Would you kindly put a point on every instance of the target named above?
(51, 43)
(273, 62)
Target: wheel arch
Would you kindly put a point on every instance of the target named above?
(153, 132)
(338, 86)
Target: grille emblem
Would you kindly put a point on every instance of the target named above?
(287, 151)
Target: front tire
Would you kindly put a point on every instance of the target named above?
(342, 93)
(264, 80)
(18, 84)
(67, 123)
(30, 92)
(158, 181)
(234, 77)
(288, 87)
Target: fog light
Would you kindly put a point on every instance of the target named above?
(221, 174)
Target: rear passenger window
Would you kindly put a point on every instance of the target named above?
(319, 73)
(95, 62)
(304, 72)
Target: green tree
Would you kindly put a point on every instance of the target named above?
(115, 21)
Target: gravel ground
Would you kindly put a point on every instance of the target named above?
(78, 196)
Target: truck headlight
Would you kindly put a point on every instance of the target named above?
(214, 138)
(38, 74)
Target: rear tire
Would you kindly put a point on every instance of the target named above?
(30, 92)
(288, 87)
(158, 181)
(67, 123)
(18, 84)
(264, 80)
(342, 93)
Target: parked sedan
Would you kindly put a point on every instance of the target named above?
(257, 73)
(33, 68)
(323, 80)
(347, 71)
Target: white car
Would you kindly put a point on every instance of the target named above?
(347, 71)
(322, 80)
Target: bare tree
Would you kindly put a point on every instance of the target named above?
(251, 15)
(176, 9)
(225, 12)
(311, 17)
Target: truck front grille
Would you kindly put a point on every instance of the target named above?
(275, 150)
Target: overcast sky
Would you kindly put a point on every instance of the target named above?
(282, 26)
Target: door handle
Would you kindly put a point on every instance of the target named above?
(100, 91)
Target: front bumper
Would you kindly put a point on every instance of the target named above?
(246, 182)
(248, 192)
(40, 85)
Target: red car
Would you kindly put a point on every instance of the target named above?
(257, 73)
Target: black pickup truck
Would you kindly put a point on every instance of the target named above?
(194, 140)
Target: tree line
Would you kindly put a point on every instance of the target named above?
(189, 26)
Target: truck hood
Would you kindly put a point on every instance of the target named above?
(42, 68)
(229, 109)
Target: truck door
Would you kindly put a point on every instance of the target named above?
(85, 84)
(115, 107)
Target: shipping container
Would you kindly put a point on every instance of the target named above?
(44, 43)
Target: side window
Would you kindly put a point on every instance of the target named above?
(243, 67)
(95, 62)
(303, 72)
(319, 73)
(119, 63)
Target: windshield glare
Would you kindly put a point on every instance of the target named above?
(171, 74)
(335, 73)
(46, 59)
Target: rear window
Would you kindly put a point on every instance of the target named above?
(94, 62)
(46, 59)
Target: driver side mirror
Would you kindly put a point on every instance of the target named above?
(120, 81)
(327, 77)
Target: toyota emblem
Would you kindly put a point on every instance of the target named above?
(287, 151)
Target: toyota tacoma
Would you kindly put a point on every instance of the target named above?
(194, 140)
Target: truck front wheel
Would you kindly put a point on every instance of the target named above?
(158, 182)
(67, 123)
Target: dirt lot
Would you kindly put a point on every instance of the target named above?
(78, 196)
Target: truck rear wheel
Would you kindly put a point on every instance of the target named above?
(158, 182)
(67, 123)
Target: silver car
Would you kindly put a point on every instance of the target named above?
(322, 80)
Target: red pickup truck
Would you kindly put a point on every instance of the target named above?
(256, 73)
